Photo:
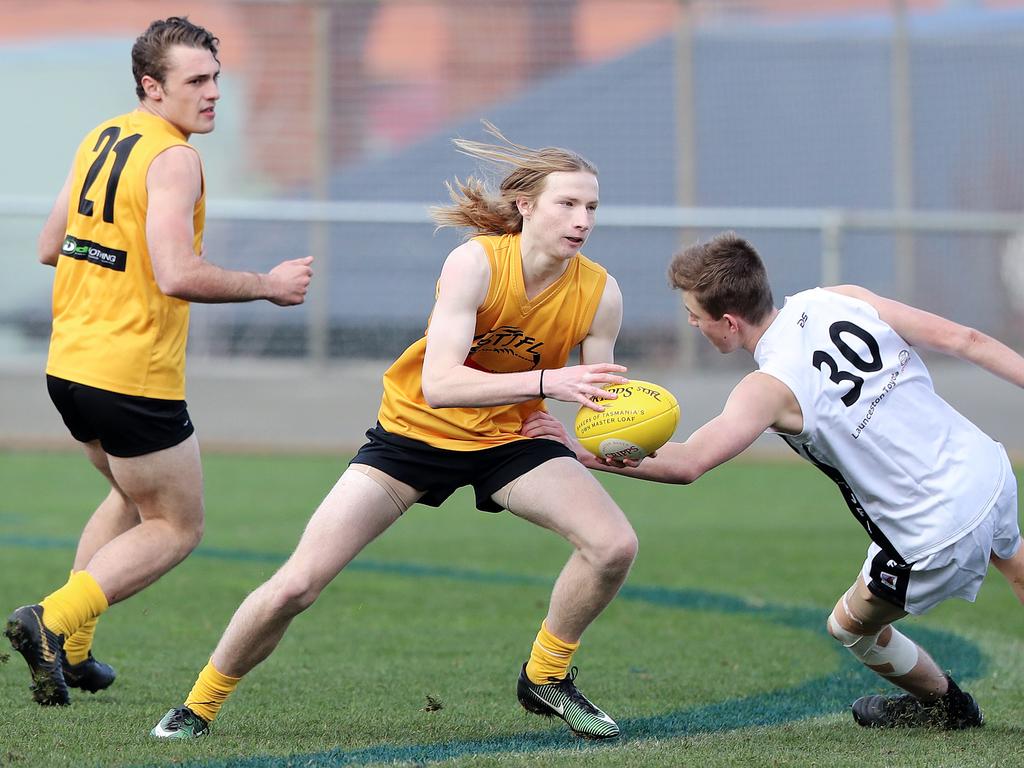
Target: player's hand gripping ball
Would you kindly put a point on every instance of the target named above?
(635, 424)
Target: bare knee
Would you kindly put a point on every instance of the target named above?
(120, 503)
(292, 592)
(182, 533)
(614, 555)
(190, 527)
(629, 546)
(193, 535)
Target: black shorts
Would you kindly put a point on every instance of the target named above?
(125, 425)
(439, 472)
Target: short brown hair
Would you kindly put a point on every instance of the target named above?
(726, 275)
(149, 54)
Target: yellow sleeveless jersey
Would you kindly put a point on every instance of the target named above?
(113, 328)
(512, 334)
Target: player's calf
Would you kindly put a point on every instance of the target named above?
(952, 710)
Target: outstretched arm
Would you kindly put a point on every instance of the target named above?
(924, 329)
(447, 380)
(757, 403)
(174, 184)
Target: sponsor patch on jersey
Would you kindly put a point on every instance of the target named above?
(887, 579)
(94, 253)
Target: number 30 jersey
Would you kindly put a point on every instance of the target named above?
(916, 474)
(113, 328)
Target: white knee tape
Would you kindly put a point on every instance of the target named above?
(900, 655)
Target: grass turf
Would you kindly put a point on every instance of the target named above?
(714, 654)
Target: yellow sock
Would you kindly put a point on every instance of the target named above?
(77, 646)
(209, 692)
(71, 606)
(550, 657)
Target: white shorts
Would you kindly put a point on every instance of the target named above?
(959, 569)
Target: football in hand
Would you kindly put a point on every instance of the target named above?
(635, 424)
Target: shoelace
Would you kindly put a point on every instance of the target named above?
(568, 687)
(180, 716)
(567, 679)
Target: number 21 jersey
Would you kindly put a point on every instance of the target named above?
(914, 471)
(113, 328)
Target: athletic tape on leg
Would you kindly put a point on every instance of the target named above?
(402, 496)
(900, 654)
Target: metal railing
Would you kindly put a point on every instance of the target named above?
(833, 227)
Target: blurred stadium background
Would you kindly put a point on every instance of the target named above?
(869, 141)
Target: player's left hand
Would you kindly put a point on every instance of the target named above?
(621, 463)
(543, 425)
(289, 281)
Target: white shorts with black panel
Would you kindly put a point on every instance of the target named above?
(955, 571)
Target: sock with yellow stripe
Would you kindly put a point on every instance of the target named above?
(69, 608)
(210, 691)
(549, 658)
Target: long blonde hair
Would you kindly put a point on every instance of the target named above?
(488, 212)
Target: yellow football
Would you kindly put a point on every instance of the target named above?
(635, 424)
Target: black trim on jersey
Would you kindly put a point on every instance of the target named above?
(861, 515)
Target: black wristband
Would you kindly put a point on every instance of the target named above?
(542, 395)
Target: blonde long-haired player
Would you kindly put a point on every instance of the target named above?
(511, 305)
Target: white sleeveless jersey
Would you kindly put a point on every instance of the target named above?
(914, 471)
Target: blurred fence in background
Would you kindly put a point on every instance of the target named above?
(866, 141)
(371, 304)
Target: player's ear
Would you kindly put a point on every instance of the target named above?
(524, 206)
(152, 88)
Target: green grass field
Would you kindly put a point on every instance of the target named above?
(713, 655)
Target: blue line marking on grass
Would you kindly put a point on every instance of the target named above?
(828, 694)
